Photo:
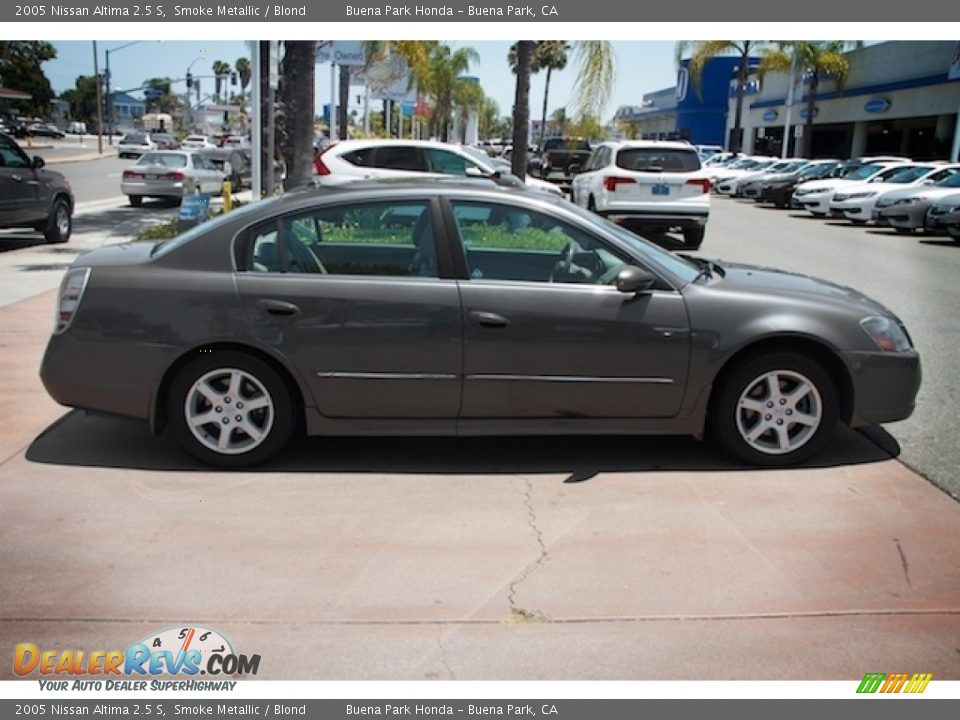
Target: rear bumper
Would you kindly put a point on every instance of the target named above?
(150, 189)
(655, 218)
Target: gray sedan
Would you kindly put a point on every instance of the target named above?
(170, 174)
(456, 308)
(906, 210)
(944, 214)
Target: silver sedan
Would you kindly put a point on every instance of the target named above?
(170, 174)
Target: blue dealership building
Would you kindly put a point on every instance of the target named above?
(901, 98)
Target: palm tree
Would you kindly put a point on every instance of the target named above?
(703, 51)
(552, 55)
(220, 70)
(242, 66)
(489, 120)
(445, 66)
(816, 61)
(468, 98)
(521, 108)
(297, 73)
(416, 54)
(595, 78)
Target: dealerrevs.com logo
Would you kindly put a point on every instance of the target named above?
(894, 682)
(189, 651)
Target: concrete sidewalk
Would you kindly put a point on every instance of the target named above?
(526, 559)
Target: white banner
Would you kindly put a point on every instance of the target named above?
(954, 72)
(342, 52)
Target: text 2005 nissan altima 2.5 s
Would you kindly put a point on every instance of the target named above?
(449, 308)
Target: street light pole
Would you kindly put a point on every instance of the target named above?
(107, 76)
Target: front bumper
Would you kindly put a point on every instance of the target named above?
(817, 204)
(885, 386)
(855, 210)
(909, 217)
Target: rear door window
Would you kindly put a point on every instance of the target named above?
(400, 157)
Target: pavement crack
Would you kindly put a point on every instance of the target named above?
(542, 556)
(443, 659)
(903, 562)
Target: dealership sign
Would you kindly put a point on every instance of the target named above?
(877, 105)
(341, 52)
(770, 116)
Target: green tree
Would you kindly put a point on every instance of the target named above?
(221, 70)
(596, 72)
(703, 51)
(445, 67)
(20, 62)
(168, 102)
(489, 118)
(468, 98)
(552, 55)
(244, 73)
(297, 74)
(816, 61)
(83, 99)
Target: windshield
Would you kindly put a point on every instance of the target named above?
(888, 173)
(910, 175)
(665, 259)
(815, 171)
(863, 173)
(950, 182)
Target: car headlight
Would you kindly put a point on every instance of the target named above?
(909, 201)
(861, 195)
(886, 333)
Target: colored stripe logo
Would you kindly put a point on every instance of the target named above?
(894, 683)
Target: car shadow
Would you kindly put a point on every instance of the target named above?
(19, 239)
(942, 242)
(80, 439)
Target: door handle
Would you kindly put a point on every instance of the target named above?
(278, 308)
(488, 319)
(16, 178)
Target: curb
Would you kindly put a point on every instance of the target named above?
(78, 158)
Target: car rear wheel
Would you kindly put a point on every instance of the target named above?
(693, 237)
(230, 409)
(776, 409)
(136, 200)
(60, 224)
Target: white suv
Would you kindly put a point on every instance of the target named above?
(647, 184)
(351, 160)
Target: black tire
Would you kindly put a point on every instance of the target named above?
(136, 200)
(591, 204)
(904, 231)
(60, 223)
(728, 424)
(279, 421)
(693, 237)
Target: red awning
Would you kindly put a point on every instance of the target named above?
(11, 94)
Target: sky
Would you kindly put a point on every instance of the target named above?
(642, 66)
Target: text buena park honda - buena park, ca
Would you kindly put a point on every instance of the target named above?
(516, 11)
(162, 11)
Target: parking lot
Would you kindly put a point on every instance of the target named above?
(526, 559)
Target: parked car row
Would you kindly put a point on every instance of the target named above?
(888, 191)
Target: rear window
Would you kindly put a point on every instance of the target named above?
(170, 161)
(658, 160)
(361, 158)
(133, 138)
(566, 144)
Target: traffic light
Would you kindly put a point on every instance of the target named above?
(189, 80)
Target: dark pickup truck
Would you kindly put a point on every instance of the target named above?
(557, 156)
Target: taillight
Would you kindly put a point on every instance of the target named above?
(611, 181)
(318, 165)
(175, 176)
(127, 174)
(704, 183)
(71, 292)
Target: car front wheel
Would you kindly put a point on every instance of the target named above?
(776, 409)
(230, 409)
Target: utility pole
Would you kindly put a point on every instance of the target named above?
(96, 75)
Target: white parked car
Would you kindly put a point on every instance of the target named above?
(647, 184)
(135, 144)
(856, 202)
(815, 195)
(196, 142)
(170, 174)
(352, 160)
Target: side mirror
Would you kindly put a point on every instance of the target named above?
(38, 162)
(573, 169)
(633, 280)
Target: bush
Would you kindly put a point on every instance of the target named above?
(171, 228)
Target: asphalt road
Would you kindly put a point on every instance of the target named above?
(917, 277)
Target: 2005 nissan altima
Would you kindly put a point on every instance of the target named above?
(457, 309)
